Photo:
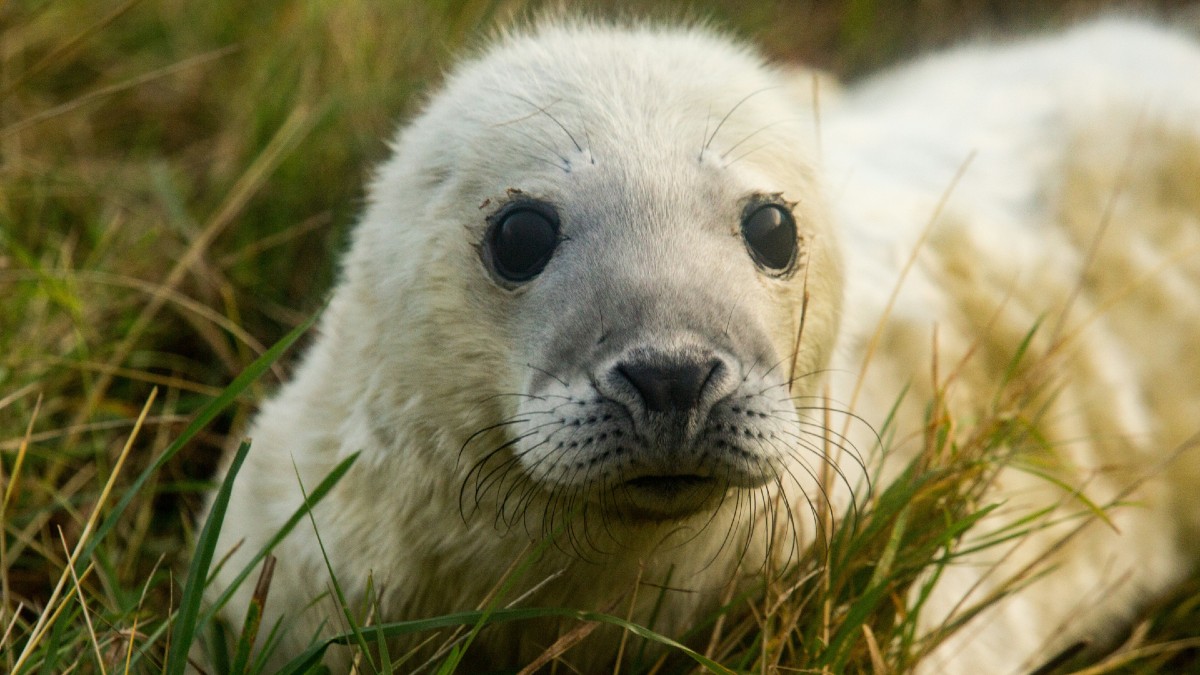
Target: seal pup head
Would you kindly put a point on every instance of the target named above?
(599, 269)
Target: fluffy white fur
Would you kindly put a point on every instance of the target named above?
(647, 139)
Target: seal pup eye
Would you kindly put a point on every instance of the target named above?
(770, 233)
(521, 242)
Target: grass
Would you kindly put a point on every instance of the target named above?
(175, 179)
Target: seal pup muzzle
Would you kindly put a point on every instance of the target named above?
(648, 395)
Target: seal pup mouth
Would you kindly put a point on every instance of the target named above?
(669, 496)
(669, 486)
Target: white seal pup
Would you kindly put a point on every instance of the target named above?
(598, 289)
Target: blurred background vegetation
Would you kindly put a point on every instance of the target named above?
(176, 178)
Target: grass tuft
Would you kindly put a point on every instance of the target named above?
(175, 181)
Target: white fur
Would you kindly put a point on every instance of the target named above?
(418, 346)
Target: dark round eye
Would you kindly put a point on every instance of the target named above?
(521, 243)
(770, 234)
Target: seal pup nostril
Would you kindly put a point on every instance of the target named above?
(672, 386)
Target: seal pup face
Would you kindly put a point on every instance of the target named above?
(627, 230)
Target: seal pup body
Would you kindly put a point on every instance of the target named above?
(1047, 194)
(636, 374)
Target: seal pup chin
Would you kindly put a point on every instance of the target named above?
(594, 308)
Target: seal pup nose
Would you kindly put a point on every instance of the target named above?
(675, 385)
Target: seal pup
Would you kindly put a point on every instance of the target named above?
(571, 305)
(597, 293)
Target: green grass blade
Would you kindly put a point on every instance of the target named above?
(218, 653)
(313, 499)
(337, 587)
(50, 654)
(245, 643)
(193, 590)
(1014, 364)
(654, 612)
(386, 667)
(883, 567)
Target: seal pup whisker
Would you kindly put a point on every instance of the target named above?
(729, 113)
(745, 154)
(544, 110)
(804, 487)
(547, 373)
(752, 134)
(802, 442)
